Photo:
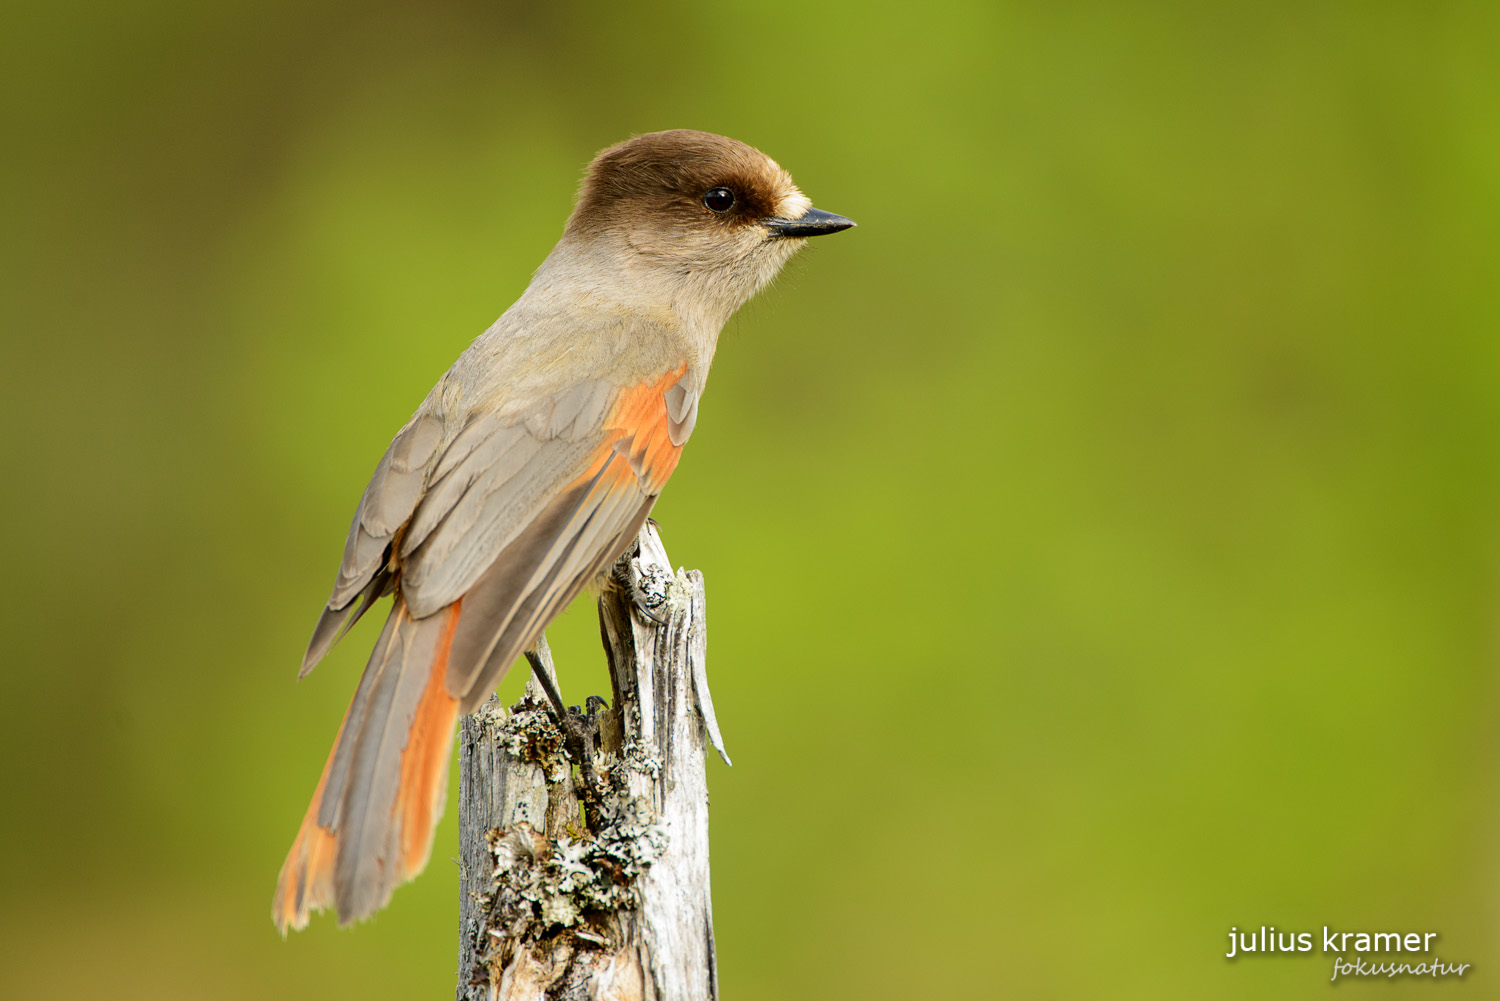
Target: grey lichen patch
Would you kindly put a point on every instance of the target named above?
(638, 758)
(573, 886)
(654, 590)
(529, 734)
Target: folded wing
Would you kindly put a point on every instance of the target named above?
(483, 540)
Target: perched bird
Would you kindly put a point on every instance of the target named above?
(523, 475)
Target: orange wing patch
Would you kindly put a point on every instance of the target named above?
(639, 416)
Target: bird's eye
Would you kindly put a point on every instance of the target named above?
(718, 199)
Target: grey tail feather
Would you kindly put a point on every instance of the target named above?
(331, 805)
(368, 864)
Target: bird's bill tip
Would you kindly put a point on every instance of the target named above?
(813, 222)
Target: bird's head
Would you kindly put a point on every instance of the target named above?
(707, 217)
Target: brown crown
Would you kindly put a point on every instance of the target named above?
(670, 171)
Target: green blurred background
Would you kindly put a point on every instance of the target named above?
(1101, 540)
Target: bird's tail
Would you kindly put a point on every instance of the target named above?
(369, 827)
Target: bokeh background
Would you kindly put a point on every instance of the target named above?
(1101, 540)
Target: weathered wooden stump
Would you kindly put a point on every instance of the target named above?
(562, 898)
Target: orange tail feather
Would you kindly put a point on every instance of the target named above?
(424, 764)
(305, 883)
(307, 880)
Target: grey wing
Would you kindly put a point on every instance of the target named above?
(489, 507)
(519, 517)
(490, 484)
(387, 505)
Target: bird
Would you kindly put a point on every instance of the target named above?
(524, 474)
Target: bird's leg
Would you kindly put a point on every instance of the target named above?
(578, 737)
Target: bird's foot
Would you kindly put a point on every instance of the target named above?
(580, 732)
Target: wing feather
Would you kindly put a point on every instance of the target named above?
(516, 513)
(579, 536)
(466, 538)
(386, 505)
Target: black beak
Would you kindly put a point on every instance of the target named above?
(813, 222)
